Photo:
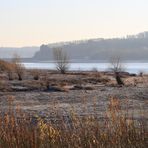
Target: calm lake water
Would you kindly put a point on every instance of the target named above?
(129, 67)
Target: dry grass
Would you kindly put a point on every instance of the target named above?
(12, 69)
(19, 68)
(19, 130)
(36, 74)
(8, 68)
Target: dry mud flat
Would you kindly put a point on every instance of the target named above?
(95, 101)
(80, 101)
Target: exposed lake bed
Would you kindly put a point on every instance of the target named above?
(85, 93)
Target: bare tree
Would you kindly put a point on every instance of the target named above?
(117, 67)
(18, 67)
(61, 60)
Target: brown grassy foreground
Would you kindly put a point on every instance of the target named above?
(19, 130)
(71, 110)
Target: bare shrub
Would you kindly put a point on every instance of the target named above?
(141, 73)
(116, 67)
(3, 65)
(10, 72)
(7, 67)
(94, 69)
(46, 81)
(36, 74)
(61, 60)
(18, 67)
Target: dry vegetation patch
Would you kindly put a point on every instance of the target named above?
(19, 129)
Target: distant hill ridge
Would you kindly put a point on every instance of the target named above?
(24, 52)
(132, 47)
(57, 44)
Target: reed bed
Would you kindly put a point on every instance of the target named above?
(20, 130)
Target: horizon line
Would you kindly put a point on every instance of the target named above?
(74, 40)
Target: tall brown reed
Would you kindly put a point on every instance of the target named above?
(18, 130)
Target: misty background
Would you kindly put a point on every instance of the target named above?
(130, 48)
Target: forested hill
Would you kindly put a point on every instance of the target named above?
(133, 47)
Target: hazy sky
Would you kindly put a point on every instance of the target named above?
(34, 22)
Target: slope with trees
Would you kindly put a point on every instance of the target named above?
(131, 48)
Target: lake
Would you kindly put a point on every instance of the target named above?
(129, 67)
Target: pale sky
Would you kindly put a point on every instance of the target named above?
(36, 22)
